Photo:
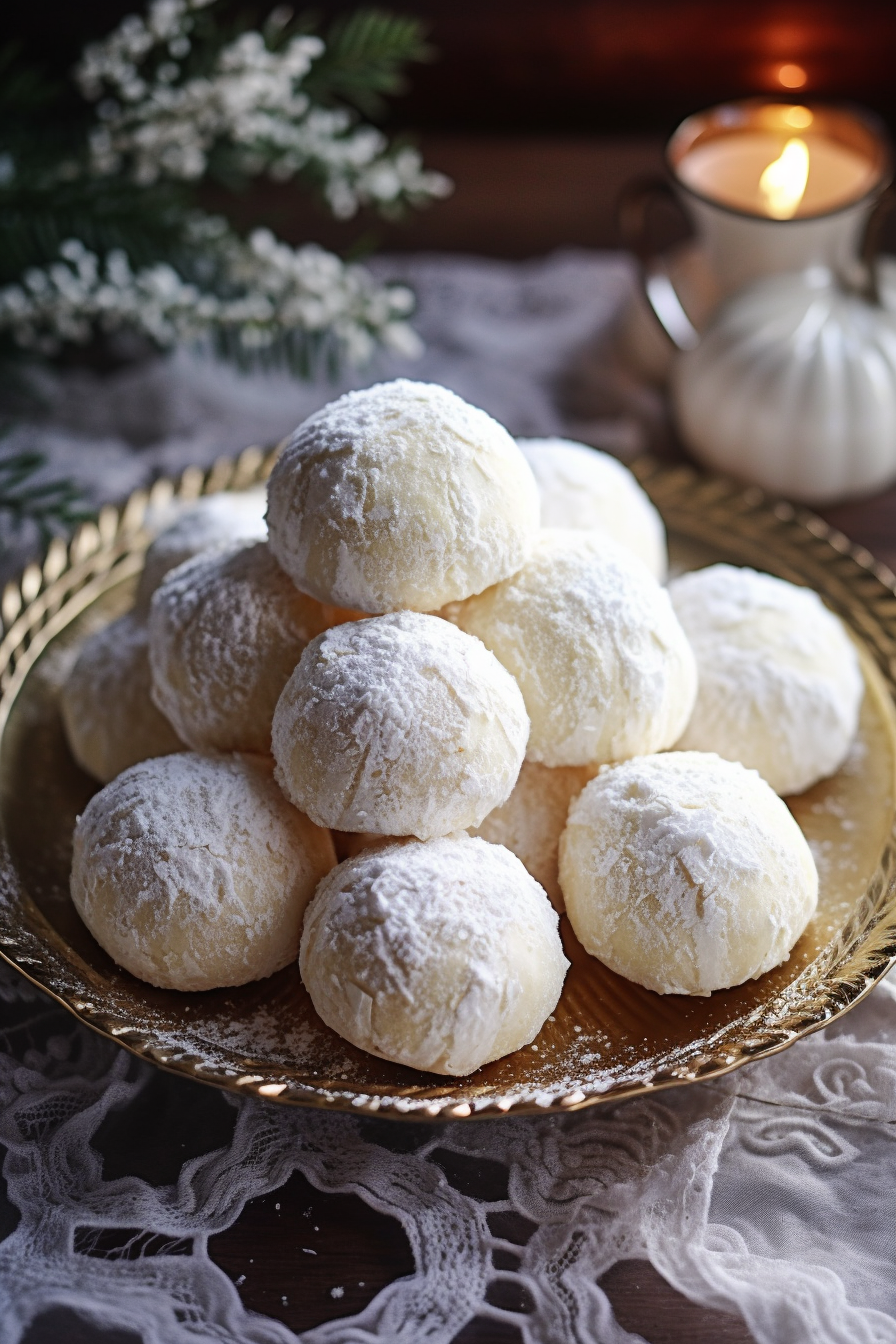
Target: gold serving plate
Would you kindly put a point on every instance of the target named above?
(608, 1038)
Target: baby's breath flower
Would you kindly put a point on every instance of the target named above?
(165, 126)
(275, 293)
(157, 120)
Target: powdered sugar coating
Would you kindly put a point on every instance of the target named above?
(780, 681)
(226, 630)
(400, 496)
(193, 872)
(399, 725)
(582, 487)
(686, 873)
(532, 820)
(592, 640)
(109, 718)
(441, 955)
(214, 520)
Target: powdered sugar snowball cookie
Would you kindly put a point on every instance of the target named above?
(109, 718)
(532, 820)
(399, 725)
(686, 873)
(780, 681)
(582, 487)
(400, 497)
(590, 636)
(441, 955)
(226, 629)
(193, 871)
(214, 520)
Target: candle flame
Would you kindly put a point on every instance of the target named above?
(783, 184)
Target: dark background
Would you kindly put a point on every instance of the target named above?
(541, 109)
(527, 66)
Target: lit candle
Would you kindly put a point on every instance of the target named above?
(777, 161)
(770, 188)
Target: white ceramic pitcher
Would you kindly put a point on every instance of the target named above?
(793, 386)
(787, 377)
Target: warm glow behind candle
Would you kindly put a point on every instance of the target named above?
(730, 168)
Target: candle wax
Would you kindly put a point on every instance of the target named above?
(727, 169)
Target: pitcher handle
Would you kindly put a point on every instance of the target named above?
(871, 244)
(633, 214)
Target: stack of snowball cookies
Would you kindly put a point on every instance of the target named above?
(447, 657)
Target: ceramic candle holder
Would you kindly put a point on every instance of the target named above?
(716, 162)
(786, 367)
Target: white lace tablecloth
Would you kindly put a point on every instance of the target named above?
(769, 1193)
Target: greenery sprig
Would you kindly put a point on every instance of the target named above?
(101, 229)
(51, 505)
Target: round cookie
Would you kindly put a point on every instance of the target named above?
(400, 497)
(592, 640)
(399, 725)
(685, 873)
(109, 719)
(532, 820)
(214, 520)
(193, 872)
(780, 681)
(226, 630)
(582, 487)
(441, 955)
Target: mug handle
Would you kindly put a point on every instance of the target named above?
(871, 244)
(633, 215)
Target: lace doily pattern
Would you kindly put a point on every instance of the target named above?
(767, 1194)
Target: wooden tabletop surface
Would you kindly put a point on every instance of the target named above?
(870, 523)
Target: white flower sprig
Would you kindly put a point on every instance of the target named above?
(176, 103)
(158, 122)
(279, 295)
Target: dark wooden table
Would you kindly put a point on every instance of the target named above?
(870, 523)
(355, 1248)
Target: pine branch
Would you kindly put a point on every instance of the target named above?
(363, 60)
(42, 122)
(24, 89)
(38, 215)
(46, 193)
(53, 506)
